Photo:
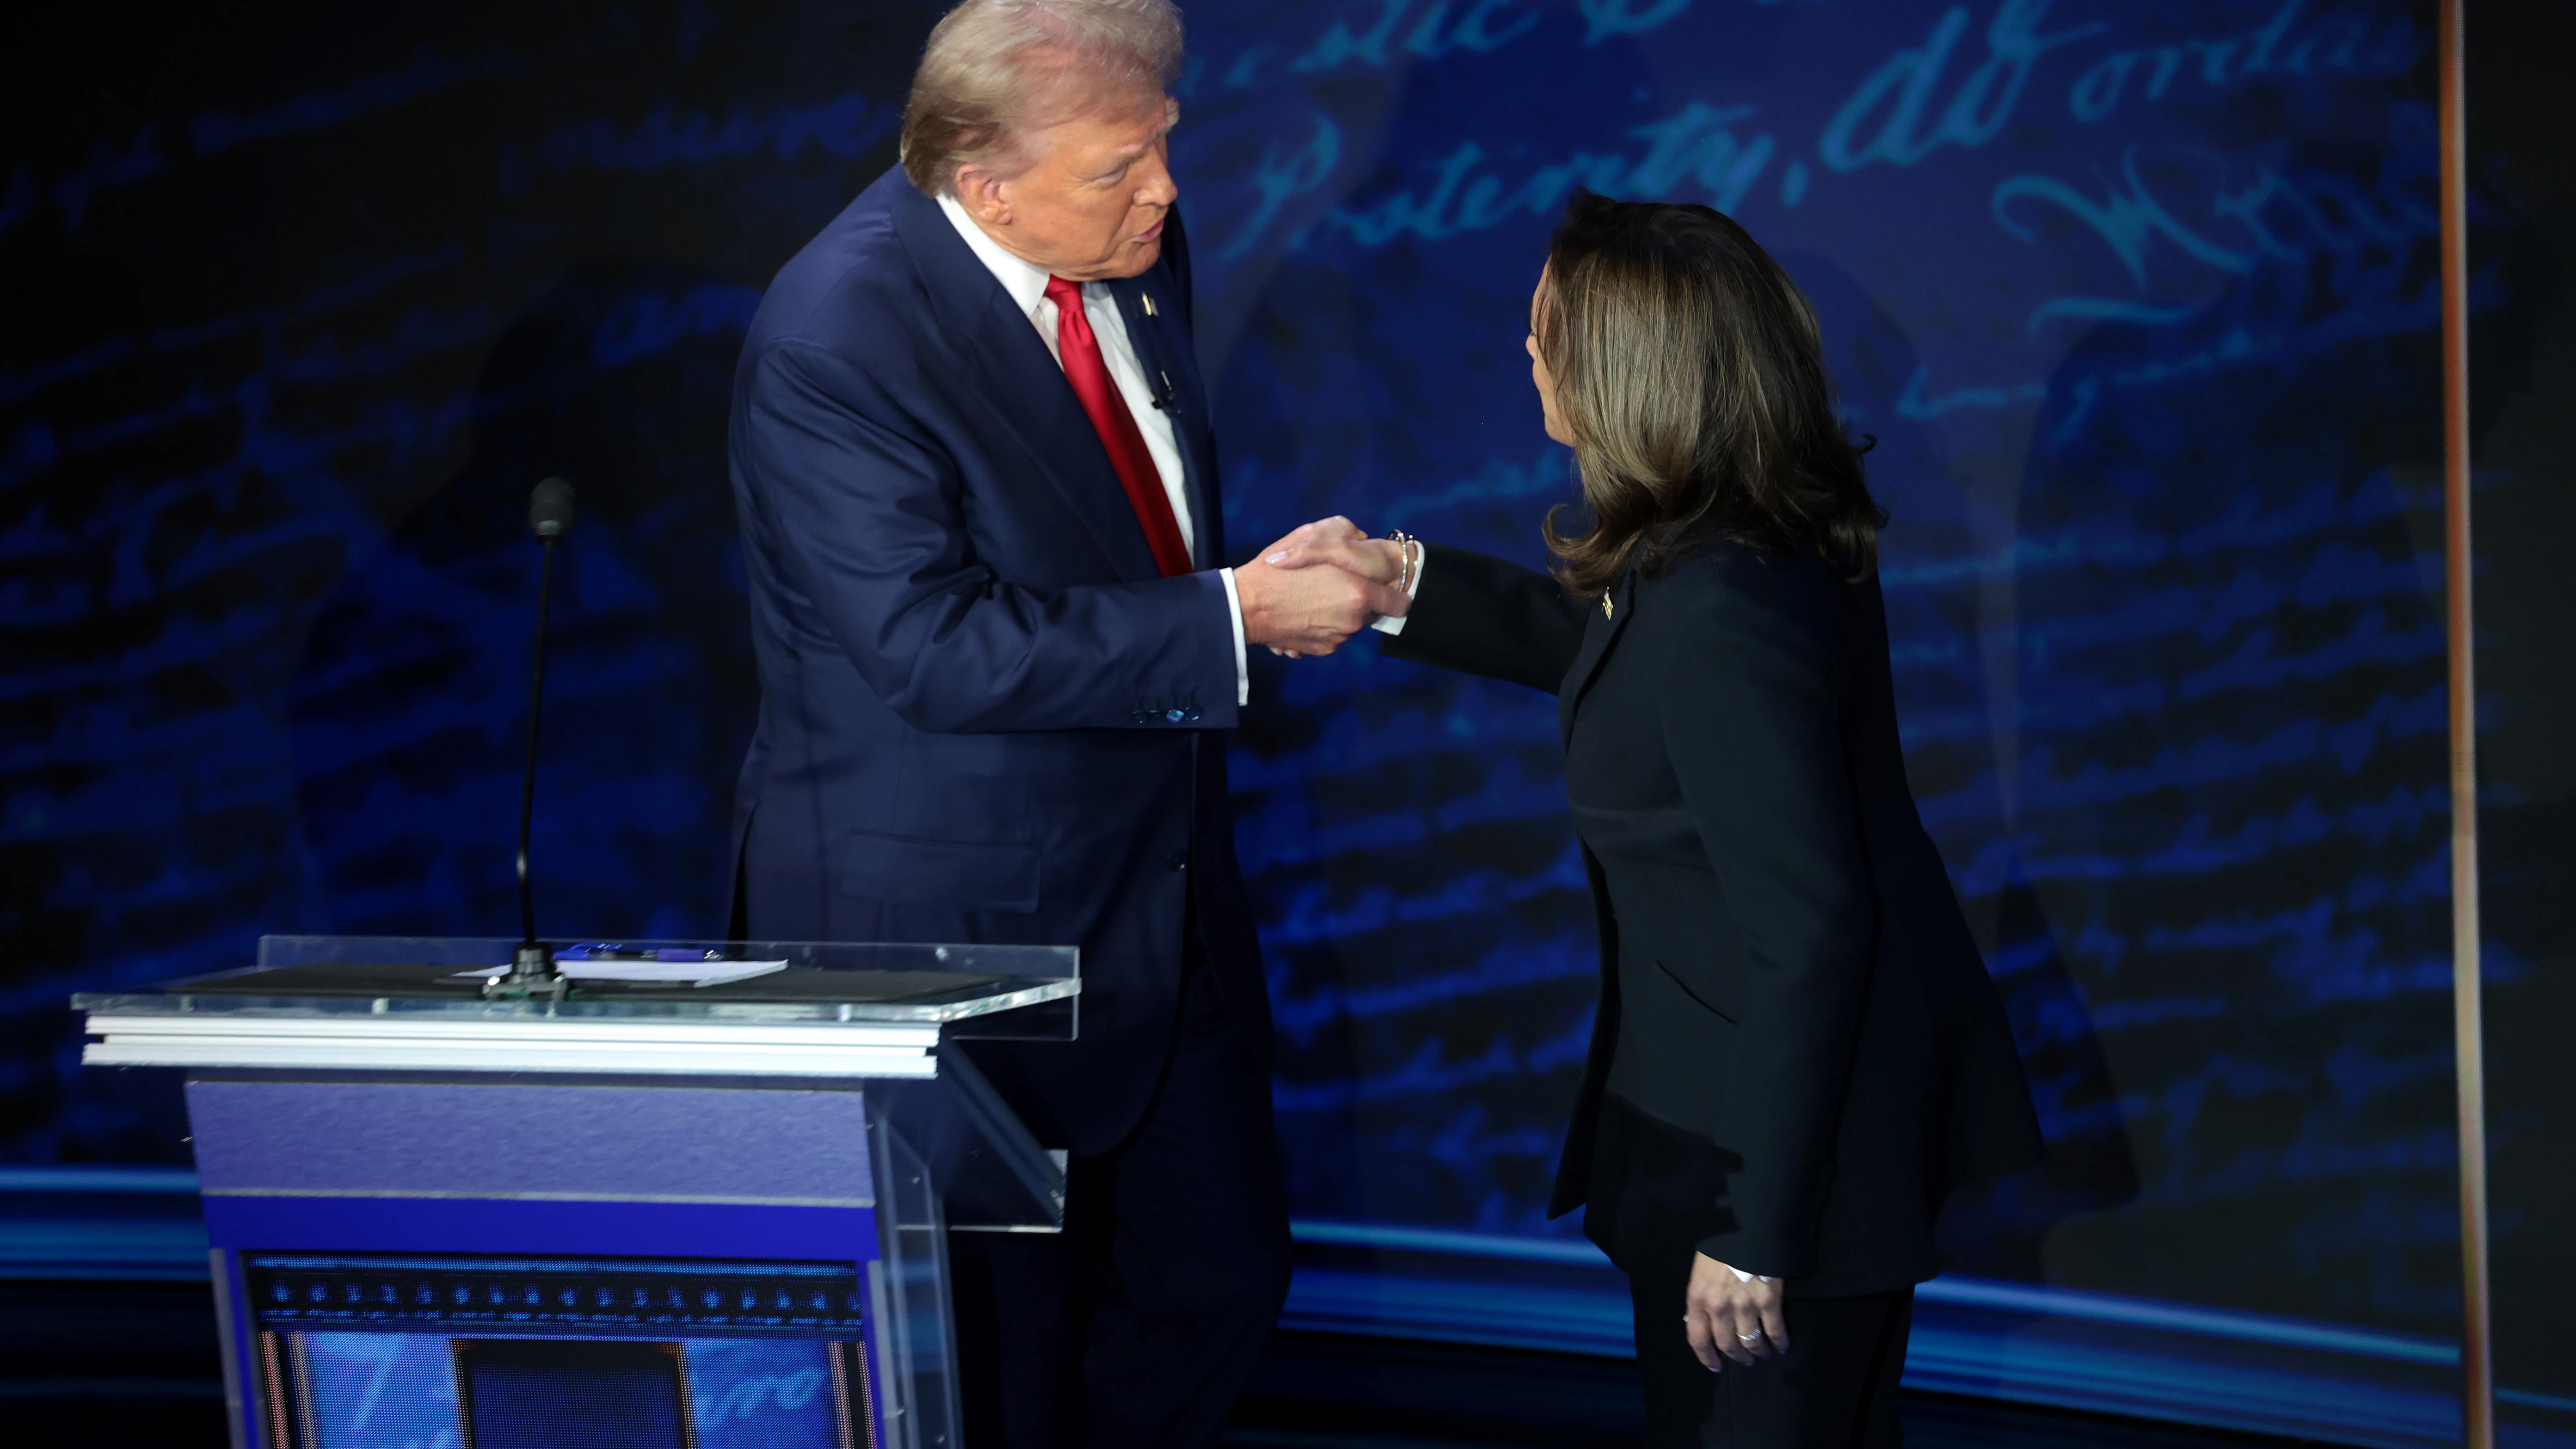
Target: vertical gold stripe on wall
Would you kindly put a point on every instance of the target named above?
(2477, 1386)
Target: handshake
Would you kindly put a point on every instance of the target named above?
(1312, 590)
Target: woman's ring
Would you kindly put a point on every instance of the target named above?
(1754, 1337)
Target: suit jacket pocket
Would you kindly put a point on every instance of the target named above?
(1704, 987)
(962, 874)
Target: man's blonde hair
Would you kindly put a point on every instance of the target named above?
(996, 70)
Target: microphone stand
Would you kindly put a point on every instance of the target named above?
(532, 963)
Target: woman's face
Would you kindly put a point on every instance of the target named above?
(1539, 377)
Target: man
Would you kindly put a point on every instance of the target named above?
(980, 522)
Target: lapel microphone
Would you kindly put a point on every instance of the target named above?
(1163, 396)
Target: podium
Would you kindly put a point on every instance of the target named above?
(698, 1199)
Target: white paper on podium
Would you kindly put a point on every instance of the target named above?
(668, 973)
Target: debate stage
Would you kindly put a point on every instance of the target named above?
(107, 1339)
(133, 1365)
(2185, 335)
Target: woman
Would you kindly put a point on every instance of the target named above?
(1798, 1051)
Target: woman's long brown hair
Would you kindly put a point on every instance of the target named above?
(1691, 374)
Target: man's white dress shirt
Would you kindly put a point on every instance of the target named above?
(1025, 284)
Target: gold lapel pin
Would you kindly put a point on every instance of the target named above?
(1149, 306)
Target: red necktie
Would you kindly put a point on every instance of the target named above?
(1080, 352)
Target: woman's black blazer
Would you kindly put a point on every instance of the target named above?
(1817, 1007)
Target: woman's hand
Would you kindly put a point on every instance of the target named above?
(1333, 527)
(1297, 612)
(1730, 1317)
(1337, 542)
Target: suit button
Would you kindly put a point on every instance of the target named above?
(1178, 860)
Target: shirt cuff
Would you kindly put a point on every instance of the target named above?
(1242, 672)
(1394, 623)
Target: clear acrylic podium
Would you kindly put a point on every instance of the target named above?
(647, 1212)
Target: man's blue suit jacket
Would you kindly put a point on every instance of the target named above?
(984, 715)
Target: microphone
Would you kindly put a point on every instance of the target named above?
(532, 965)
(1164, 395)
(550, 510)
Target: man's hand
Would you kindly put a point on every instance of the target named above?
(1298, 611)
(1730, 1317)
(1336, 542)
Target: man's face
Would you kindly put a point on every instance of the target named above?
(1092, 205)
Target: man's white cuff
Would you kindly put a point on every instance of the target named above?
(1242, 671)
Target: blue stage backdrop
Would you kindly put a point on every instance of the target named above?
(2137, 301)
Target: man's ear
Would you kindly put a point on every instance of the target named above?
(980, 192)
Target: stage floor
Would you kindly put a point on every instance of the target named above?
(1317, 1391)
(132, 1366)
